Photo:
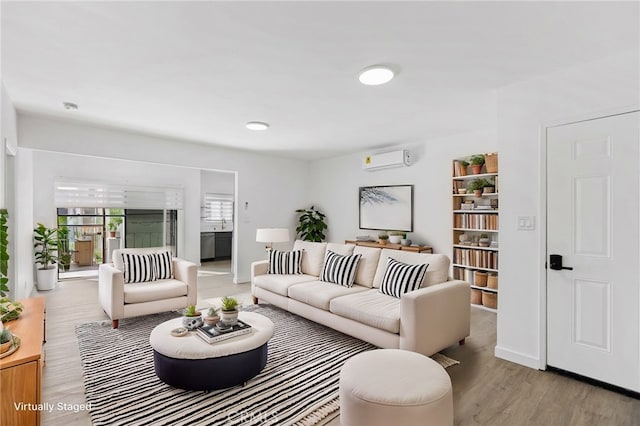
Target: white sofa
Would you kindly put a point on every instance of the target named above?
(426, 320)
(120, 300)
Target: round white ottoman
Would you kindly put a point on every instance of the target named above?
(394, 387)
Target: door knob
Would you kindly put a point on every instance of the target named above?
(555, 263)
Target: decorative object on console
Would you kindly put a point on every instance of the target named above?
(404, 241)
(192, 318)
(285, 262)
(272, 235)
(229, 311)
(6, 340)
(383, 238)
(311, 225)
(46, 255)
(395, 237)
(386, 207)
(9, 310)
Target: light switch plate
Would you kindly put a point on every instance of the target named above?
(526, 223)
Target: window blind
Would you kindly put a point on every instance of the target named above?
(218, 208)
(69, 193)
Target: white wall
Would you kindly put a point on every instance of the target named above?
(523, 111)
(269, 188)
(217, 182)
(335, 183)
(8, 144)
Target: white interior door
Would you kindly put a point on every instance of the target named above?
(593, 188)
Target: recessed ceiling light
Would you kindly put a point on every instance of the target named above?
(376, 75)
(70, 106)
(256, 125)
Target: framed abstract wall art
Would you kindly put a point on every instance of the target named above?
(387, 207)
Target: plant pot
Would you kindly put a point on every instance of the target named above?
(462, 190)
(382, 242)
(405, 242)
(477, 193)
(476, 169)
(395, 239)
(211, 320)
(47, 278)
(4, 347)
(484, 242)
(229, 317)
(191, 323)
(488, 189)
(112, 234)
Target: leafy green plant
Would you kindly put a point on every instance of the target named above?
(383, 236)
(477, 160)
(212, 312)
(4, 253)
(463, 163)
(229, 303)
(5, 335)
(477, 184)
(191, 311)
(311, 225)
(46, 245)
(64, 253)
(399, 233)
(114, 222)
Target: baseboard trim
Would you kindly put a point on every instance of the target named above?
(518, 358)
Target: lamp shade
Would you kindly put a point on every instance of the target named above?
(272, 235)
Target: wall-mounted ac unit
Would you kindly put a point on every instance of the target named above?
(387, 160)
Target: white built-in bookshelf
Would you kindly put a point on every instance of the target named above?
(476, 219)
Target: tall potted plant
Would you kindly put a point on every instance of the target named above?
(311, 225)
(46, 256)
(64, 252)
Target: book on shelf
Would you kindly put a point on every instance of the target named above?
(216, 333)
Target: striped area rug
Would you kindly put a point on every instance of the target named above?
(298, 386)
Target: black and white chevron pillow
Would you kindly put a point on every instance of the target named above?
(339, 269)
(400, 278)
(163, 265)
(285, 262)
(138, 268)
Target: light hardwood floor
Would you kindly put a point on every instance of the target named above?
(487, 390)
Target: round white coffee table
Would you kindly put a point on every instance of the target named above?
(191, 363)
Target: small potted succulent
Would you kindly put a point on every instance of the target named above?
(404, 241)
(477, 161)
(382, 238)
(489, 187)
(212, 317)
(395, 237)
(229, 311)
(484, 240)
(192, 318)
(6, 340)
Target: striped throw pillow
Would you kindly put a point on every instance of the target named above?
(163, 265)
(138, 268)
(339, 269)
(285, 262)
(400, 278)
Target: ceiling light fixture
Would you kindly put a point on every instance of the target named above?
(256, 125)
(70, 106)
(376, 75)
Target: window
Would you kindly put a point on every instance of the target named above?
(218, 208)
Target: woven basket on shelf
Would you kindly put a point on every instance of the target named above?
(492, 281)
(480, 279)
(489, 299)
(491, 162)
(476, 296)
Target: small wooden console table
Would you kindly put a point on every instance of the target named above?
(21, 372)
(416, 249)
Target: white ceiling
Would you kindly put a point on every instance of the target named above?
(200, 70)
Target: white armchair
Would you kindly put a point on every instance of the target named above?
(120, 300)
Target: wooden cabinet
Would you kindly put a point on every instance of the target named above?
(416, 249)
(85, 252)
(21, 372)
(475, 231)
